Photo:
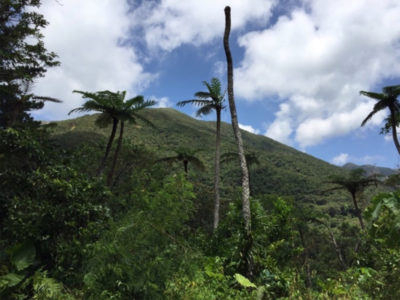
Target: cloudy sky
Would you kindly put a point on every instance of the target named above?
(299, 64)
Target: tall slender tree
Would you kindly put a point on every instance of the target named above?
(248, 259)
(128, 111)
(213, 99)
(387, 100)
(236, 130)
(108, 104)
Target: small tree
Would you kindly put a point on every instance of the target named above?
(355, 183)
(185, 156)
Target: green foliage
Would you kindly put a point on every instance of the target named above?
(243, 281)
(204, 278)
(139, 253)
(384, 219)
(23, 58)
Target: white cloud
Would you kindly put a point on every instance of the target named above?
(281, 128)
(88, 37)
(317, 61)
(249, 128)
(341, 159)
(344, 158)
(161, 102)
(170, 23)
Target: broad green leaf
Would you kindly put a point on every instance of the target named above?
(243, 281)
(23, 255)
(10, 279)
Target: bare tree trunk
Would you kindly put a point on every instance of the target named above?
(108, 148)
(217, 169)
(248, 259)
(116, 153)
(306, 257)
(394, 130)
(358, 211)
(337, 248)
(235, 125)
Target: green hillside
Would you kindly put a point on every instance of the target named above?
(282, 171)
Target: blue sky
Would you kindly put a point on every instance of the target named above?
(299, 64)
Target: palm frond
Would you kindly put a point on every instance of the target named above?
(197, 163)
(203, 95)
(144, 120)
(229, 157)
(376, 96)
(393, 90)
(43, 98)
(377, 107)
(103, 120)
(196, 102)
(205, 110)
(216, 86)
(133, 101)
(370, 115)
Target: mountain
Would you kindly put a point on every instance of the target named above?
(282, 171)
(370, 169)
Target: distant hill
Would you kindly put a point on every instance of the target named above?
(370, 169)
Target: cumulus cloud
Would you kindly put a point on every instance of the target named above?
(249, 128)
(341, 159)
(89, 37)
(167, 24)
(316, 60)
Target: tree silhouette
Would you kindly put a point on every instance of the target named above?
(128, 112)
(355, 183)
(208, 101)
(185, 156)
(108, 104)
(113, 109)
(386, 99)
(251, 159)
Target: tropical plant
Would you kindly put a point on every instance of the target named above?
(113, 110)
(386, 99)
(186, 156)
(238, 136)
(251, 158)
(208, 101)
(128, 112)
(383, 216)
(354, 183)
(108, 105)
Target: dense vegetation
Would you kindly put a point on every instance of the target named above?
(70, 230)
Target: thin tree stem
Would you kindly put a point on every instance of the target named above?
(116, 153)
(108, 148)
(394, 130)
(217, 169)
(235, 125)
(248, 259)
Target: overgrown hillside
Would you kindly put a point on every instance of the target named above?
(281, 171)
